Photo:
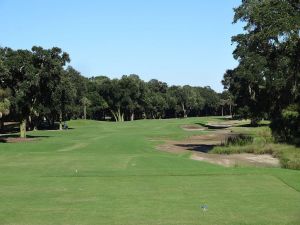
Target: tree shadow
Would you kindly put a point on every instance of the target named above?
(198, 148)
(249, 125)
(213, 127)
(53, 128)
(201, 124)
(9, 130)
(14, 128)
(14, 138)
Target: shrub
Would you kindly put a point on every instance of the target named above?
(239, 140)
(286, 127)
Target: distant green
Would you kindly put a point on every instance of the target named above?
(111, 173)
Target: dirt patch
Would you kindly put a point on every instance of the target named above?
(200, 145)
(17, 140)
(193, 127)
(237, 159)
(225, 124)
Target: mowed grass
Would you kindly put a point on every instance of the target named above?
(122, 179)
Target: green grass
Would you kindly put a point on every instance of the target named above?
(263, 143)
(123, 180)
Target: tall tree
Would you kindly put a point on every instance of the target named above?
(226, 102)
(266, 81)
(4, 105)
(155, 99)
(23, 82)
(112, 93)
(64, 97)
(185, 98)
(211, 100)
(50, 65)
(133, 89)
(85, 102)
(80, 83)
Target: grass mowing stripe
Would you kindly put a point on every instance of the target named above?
(123, 180)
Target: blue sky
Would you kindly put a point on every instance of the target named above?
(179, 42)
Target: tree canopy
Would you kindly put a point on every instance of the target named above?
(44, 91)
(265, 84)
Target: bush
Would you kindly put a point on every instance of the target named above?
(286, 126)
(290, 163)
(261, 142)
(239, 140)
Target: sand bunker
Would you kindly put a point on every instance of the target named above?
(200, 145)
(237, 159)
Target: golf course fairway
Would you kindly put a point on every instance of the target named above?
(112, 173)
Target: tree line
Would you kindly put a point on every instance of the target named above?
(39, 89)
(265, 84)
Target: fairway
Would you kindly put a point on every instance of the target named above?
(111, 173)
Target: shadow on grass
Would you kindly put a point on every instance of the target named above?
(13, 128)
(251, 125)
(213, 127)
(53, 128)
(9, 131)
(201, 124)
(198, 148)
(15, 138)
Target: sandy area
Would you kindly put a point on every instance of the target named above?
(200, 145)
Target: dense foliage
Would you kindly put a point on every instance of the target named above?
(265, 84)
(38, 89)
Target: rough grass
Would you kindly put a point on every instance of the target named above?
(110, 173)
(261, 142)
(239, 140)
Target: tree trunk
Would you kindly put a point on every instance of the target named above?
(35, 124)
(119, 117)
(132, 117)
(60, 121)
(23, 128)
(184, 111)
(222, 111)
(32, 122)
(84, 112)
(114, 115)
(230, 110)
(30, 127)
(1, 124)
(254, 122)
(52, 122)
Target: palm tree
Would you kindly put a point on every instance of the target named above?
(85, 103)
